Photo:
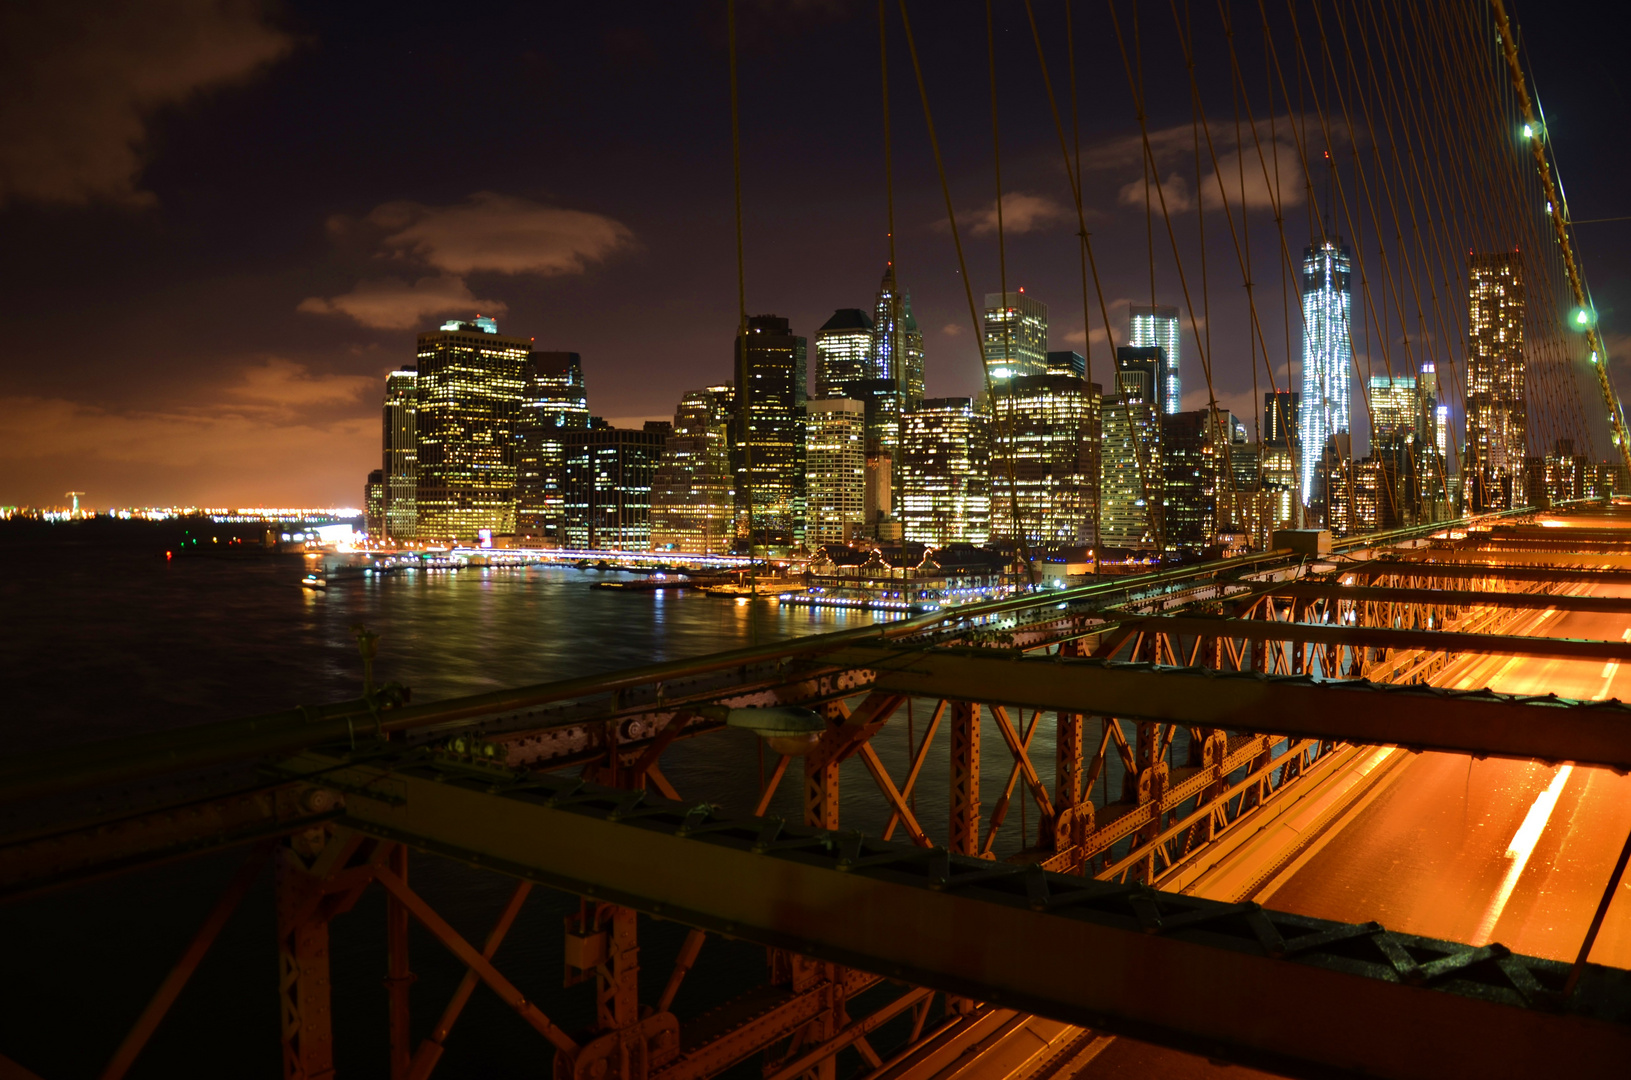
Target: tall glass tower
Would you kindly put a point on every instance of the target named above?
(1159, 326)
(1327, 354)
(897, 342)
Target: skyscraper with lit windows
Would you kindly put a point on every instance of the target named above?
(1158, 326)
(768, 452)
(692, 494)
(835, 470)
(1497, 413)
(1045, 461)
(844, 349)
(400, 471)
(554, 404)
(471, 384)
(1327, 353)
(897, 342)
(1016, 335)
(944, 481)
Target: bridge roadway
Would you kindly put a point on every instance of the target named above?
(1430, 853)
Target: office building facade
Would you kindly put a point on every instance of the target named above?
(1327, 355)
(844, 351)
(1016, 335)
(897, 341)
(1496, 408)
(607, 494)
(835, 466)
(400, 466)
(1158, 327)
(1131, 485)
(693, 500)
(1045, 461)
(768, 451)
(471, 383)
(943, 478)
(555, 402)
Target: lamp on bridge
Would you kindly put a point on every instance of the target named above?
(786, 728)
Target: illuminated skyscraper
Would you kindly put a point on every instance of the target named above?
(471, 383)
(1395, 407)
(401, 458)
(1067, 362)
(373, 495)
(1158, 326)
(1327, 353)
(844, 347)
(1016, 335)
(835, 470)
(944, 481)
(1497, 416)
(692, 495)
(897, 343)
(1131, 484)
(768, 452)
(554, 404)
(1195, 487)
(1046, 436)
(1280, 418)
(607, 494)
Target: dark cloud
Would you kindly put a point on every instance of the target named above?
(80, 82)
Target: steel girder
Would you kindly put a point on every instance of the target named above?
(1295, 995)
(1461, 571)
(1458, 598)
(1380, 637)
(1419, 717)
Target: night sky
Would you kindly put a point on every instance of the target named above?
(224, 222)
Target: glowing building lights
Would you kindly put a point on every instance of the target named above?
(1016, 335)
(1158, 327)
(835, 470)
(1327, 353)
(768, 451)
(844, 349)
(944, 481)
(1497, 416)
(470, 387)
(1045, 461)
(692, 494)
(400, 474)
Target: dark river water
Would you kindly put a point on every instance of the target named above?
(98, 640)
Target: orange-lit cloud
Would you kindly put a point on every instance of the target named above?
(279, 435)
(1021, 213)
(394, 304)
(498, 234)
(80, 81)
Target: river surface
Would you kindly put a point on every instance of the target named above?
(98, 641)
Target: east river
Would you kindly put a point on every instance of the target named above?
(100, 641)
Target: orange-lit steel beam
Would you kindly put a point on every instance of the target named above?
(1420, 717)
(1618, 605)
(1226, 980)
(1556, 575)
(191, 956)
(431, 1047)
(1381, 637)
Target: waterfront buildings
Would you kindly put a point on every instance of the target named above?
(1016, 335)
(1045, 461)
(844, 351)
(607, 493)
(1158, 327)
(471, 383)
(373, 501)
(1327, 353)
(400, 438)
(944, 478)
(835, 470)
(555, 403)
(692, 493)
(768, 451)
(1497, 418)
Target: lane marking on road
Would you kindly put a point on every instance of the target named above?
(1610, 669)
(1522, 846)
